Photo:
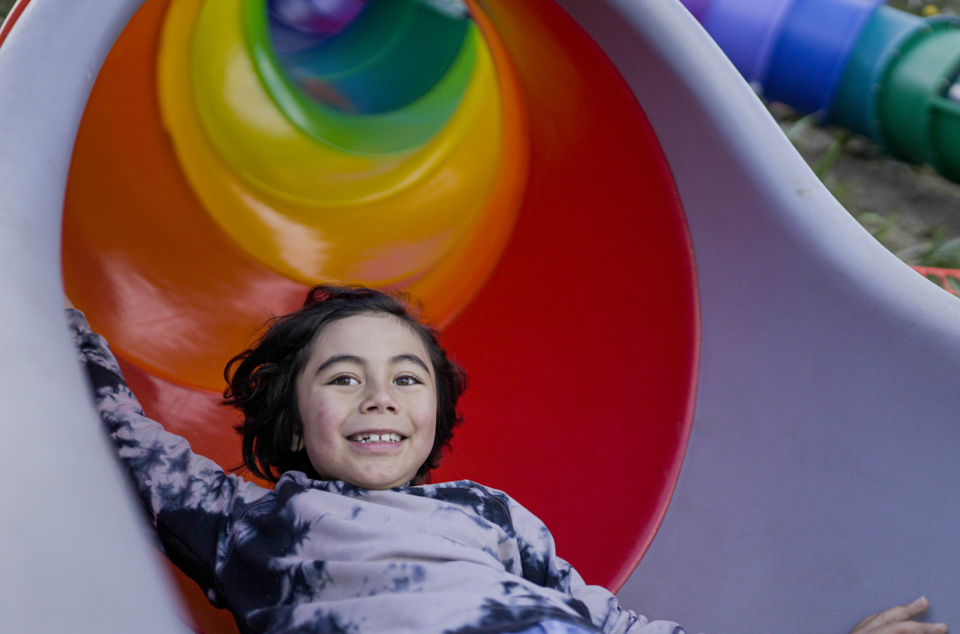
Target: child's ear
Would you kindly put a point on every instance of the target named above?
(296, 443)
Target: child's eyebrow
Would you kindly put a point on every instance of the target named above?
(411, 358)
(351, 358)
(340, 358)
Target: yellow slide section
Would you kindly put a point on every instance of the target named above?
(303, 208)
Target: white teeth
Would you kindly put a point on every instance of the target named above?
(365, 438)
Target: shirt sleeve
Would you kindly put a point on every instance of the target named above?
(191, 501)
(542, 566)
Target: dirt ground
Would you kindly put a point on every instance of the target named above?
(910, 209)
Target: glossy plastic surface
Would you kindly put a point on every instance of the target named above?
(389, 56)
(411, 111)
(315, 20)
(812, 47)
(697, 7)
(305, 209)
(73, 553)
(912, 96)
(854, 105)
(746, 30)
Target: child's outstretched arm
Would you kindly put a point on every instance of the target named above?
(190, 499)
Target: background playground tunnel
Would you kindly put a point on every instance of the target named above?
(874, 69)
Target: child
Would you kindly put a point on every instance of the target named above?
(348, 403)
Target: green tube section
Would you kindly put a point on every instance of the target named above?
(900, 88)
(409, 64)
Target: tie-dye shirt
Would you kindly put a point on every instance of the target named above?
(316, 556)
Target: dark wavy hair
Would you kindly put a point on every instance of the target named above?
(262, 379)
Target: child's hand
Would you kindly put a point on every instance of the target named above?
(897, 621)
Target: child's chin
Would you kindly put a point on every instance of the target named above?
(380, 483)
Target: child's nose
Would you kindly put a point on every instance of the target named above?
(379, 398)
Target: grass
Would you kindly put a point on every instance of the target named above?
(906, 235)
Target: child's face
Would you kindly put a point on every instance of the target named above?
(368, 401)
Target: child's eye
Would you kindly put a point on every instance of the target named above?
(407, 380)
(344, 380)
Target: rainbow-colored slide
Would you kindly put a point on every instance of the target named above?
(682, 348)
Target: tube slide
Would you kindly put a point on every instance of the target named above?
(874, 69)
(818, 472)
(216, 175)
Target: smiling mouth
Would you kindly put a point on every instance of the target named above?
(370, 438)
